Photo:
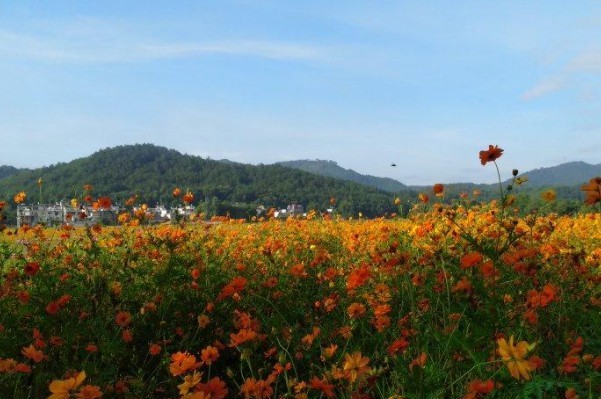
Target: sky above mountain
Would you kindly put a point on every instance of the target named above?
(424, 85)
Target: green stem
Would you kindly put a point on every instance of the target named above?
(500, 189)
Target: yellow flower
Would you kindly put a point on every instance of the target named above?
(20, 197)
(355, 366)
(190, 381)
(514, 357)
(61, 389)
(548, 195)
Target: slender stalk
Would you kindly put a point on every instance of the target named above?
(500, 189)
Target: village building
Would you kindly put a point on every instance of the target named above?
(59, 214)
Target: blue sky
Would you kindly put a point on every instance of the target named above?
(425, 85)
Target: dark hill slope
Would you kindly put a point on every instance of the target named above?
(332, 169)
(567, 174)
(152, 172)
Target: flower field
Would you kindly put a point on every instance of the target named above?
(464, 300)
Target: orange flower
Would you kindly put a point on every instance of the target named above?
(123, 319)
(463, 285)
(356, 310)
(571, 393)
(8, 365)
(358, 277)
(104, 202)
(355, 366)
(127, 335)
(22, 368)
(592, 191)
(256, 388)
(248, 388)
(323, 386)
(89, 392)
(398, 345)
(61, 389)
(215, 388)
(419, 361)
(536, 362)
(20, 197)
(471, 259)
(176, 192)
(438, 189)
(92, 348)
(423, 198)
(490, 155)
(182, 363)
(542, 299)
(188, 197)
(209, 355)
(32, 353)
(154, 349)
(198, 395)
(31, 268)
(478, 387)
(298, 270)
(233, 287)
(131, 200)
(203, 320)
(52, 308)
(242, 336)
(328, 352)
(514, 357)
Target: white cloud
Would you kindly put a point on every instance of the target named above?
(544, 87)
(589, 61)
(263, 49)
(99, 46)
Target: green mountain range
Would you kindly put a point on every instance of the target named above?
(153, 172)
(332, 169)
(6, 171)
(572, 174)
(567, 174)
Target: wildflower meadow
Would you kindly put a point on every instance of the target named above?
(458, 299)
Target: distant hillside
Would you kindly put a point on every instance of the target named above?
(152, 172)
(6, 171)
(332, 169)
(567, 174)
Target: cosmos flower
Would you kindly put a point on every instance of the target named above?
(490, 155)
(514, 357)
(61, 389)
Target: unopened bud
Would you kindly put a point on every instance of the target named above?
(514, 172)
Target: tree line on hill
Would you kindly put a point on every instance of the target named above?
(223, 187)
(153, 172)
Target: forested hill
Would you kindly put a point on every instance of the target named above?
(6, 171)
(152, 172)
(332, 169)
(566, 174)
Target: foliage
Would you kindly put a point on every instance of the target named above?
(332, 169)
(151, 172)
(412, 307)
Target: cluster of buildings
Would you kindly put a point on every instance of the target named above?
(291, 210)
(86, 215)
